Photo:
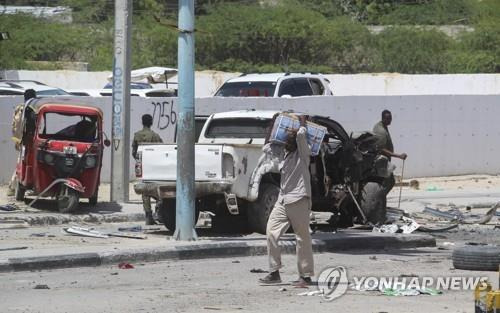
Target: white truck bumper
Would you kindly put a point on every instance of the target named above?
(163, 189)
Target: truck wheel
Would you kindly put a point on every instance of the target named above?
(373, 202)
(19, 192)
(259, 211)
(477, 257)
(67, 201)
(167, 214)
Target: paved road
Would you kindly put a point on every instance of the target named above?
(226, 285)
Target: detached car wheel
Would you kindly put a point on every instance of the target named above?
(19, 192)
(167, 214)
(259, 211)
(477, 257)
(374, 202)
(67, 201)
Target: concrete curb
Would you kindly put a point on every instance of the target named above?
(213, 250)
(46, 219)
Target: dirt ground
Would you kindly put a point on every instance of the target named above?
(448, 183)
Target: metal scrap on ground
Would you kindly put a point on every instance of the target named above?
(456, 215)
(87, 232)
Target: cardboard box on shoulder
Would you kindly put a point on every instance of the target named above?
(286, 122)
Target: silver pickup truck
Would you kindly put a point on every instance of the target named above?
(237, 175)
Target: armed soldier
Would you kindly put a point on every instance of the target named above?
(146, 135)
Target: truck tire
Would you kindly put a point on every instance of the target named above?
(19, 191)
(259, 211)
(373, 202)
(166, 214)
(477, 257)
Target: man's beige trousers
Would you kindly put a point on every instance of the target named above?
(281, 217)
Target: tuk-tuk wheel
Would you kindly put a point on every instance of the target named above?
(93, 199)
(19, 192)
(67, 200)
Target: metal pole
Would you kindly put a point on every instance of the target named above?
(120, 152)
(185, 208)
(401, 184)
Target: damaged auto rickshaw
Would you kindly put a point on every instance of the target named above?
(61, 155)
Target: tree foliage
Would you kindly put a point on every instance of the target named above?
(293, 35)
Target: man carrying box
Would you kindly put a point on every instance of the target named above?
(292, 208)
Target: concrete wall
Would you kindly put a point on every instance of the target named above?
(394, 84)
(207, 82)
(443, 135)
(380, 84)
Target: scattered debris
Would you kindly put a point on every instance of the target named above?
(131, 236)
(436, 230)
(434, 188)
(408, 227)
(455, 215)
(486, 218)
(282, 289)
(235, 261)
(374, 257)
(258, 270)
(388, 228)
(9, 207)
(411, 292)
(41, 287)
(87, 232)
(13, 248)
(114, 273)
(125, 266)
(134, 229)
(38, 234)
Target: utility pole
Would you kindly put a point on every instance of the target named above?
(120, 132)
(185, 208)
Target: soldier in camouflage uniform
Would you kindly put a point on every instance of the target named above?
(146, 135)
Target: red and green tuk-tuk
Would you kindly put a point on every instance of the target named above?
(62, 148)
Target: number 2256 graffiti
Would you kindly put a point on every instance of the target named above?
(164, 114)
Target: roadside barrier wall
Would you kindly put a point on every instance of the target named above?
(442, 134)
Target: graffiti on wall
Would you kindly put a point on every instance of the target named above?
(164, 114)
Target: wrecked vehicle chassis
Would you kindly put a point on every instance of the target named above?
(238, 176)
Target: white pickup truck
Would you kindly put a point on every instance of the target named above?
(234, 177)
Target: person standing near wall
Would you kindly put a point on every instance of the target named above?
(385, 145)
(146, 135)
(17, 133)
(292, 208)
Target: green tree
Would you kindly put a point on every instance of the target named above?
(477, 51)
(407, 50)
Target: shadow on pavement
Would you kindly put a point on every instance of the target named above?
(50, 205)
